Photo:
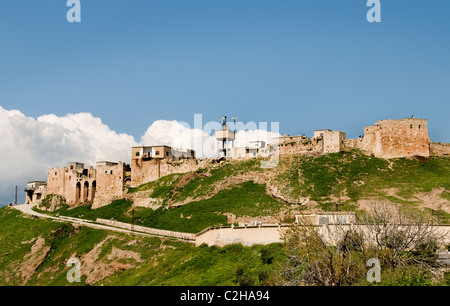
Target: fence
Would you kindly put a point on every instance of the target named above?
(148, 230)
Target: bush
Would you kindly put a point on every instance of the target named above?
(263, 276)
(267, 255)
(406, 276)
(243, 277)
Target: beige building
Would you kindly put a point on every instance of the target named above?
(35, 192)
(389, 138)
(323, 142)
(111, 179)
(333, 141)
(256, 148)
(225, 142)
(149, 163)
(160, 152)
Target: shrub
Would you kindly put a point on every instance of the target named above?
(243, 277)
(267, 255)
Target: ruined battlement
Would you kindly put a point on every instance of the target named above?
(323, 142)
(395, 138)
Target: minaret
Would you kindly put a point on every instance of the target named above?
(224, 138)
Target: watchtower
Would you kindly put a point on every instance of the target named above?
(225, 138)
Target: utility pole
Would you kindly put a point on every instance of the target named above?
(15, 201)
(132, 221)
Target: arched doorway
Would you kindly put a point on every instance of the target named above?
(94, 186)
(77, 193)
(86, 192)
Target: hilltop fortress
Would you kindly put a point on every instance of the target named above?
(109, 181)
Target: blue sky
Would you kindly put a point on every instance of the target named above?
(307, 64)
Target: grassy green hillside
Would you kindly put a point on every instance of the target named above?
(342, 179)
(223, 193)
(247, 199)
(356, 175)
(35, 252)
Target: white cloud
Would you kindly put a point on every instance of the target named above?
(180, 135)
(29, 146)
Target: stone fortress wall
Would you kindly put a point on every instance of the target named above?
(95, 186)
(109, 180)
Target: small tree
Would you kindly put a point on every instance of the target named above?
(335, 255)
(312, 261)
(400, 238)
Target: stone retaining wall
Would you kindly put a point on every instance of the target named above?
(148, 230)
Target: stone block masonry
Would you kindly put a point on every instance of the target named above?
(394, 139)
(144, 171)
(88, 186)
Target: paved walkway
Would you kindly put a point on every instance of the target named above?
(27, 209)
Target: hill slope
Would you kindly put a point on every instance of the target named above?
(35, 252)
(345, 181)
(240, 191)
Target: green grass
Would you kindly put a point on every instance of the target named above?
(17, 234)
(118, 210)
(166, 187)
(161, 188)
(403, 276)
(355, 175)
(247, 199)
(163, 262)
(202, 266)
(204, 185)
(446, 195)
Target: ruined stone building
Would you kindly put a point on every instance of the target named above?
(91, 185)
(323, 142)
(394, 138)
(35, 191)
